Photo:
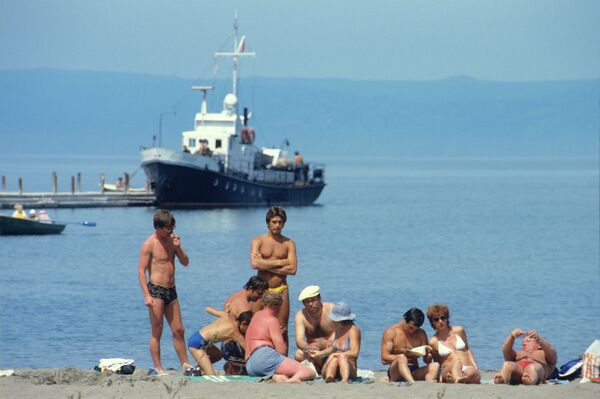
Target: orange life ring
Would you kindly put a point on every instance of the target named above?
(248, 136)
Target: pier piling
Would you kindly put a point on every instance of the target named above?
(72, 184)
(78, 182)
(54, 183)
(20, 186)
(3, 183)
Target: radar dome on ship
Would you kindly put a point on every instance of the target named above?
(230, 102)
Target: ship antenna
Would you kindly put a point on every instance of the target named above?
(238, 51)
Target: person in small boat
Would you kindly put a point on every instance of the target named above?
(312, 326)
(397, 344)
(266, 348)
(225, 328)
(119, 184)
(43, 217)
(19, 212)
(274, 256)
(532, 365)
(451, 349)
(33, 215)
(343, 346)
(156, 273)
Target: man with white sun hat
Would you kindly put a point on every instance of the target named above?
(313, 327)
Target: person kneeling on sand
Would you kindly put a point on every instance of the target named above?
(265, 346)
(398, 346)
(343, 346)
(532, 365)
(201, 343)
(313, 327)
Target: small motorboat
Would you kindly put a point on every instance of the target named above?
(16, 226)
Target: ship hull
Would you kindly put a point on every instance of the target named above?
(181, 186)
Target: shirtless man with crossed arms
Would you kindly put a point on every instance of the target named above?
(274, 256)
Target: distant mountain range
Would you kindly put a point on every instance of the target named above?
(48, 111)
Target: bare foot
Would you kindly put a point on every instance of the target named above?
(498, 379)
(280, 379)
(329, 379)
(293, 381)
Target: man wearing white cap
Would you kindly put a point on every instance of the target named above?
(33, 215)
(313, 327)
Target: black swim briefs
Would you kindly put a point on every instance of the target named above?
(167, 294)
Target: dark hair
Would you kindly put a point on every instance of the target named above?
(163, 219)
(437, 310)
(256, 283)
(276, 211)
(415, 315)
(244, 317)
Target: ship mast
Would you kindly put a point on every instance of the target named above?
(238, 51)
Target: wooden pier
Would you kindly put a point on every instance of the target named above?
(76, 198)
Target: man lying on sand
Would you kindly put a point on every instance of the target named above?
(201, 343)
(265, 346)
(313, 326)
(532, 365)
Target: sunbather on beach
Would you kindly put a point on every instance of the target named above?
(274, 256)
(312, 326)
(236, 304)
(265, 347)
(226, 327)
(396, 350)
(157, 258)
(451, 349)
(242, 300)
(343, 346)
(532, 365)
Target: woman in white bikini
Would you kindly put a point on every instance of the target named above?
(343, 346)
(451, 348)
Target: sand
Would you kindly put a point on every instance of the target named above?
(76, 383)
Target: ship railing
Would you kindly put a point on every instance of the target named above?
(316, 172)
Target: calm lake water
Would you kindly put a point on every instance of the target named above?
(504, 242)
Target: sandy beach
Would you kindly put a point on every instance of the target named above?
(77, 383)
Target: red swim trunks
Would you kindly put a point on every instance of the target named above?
(524, 363)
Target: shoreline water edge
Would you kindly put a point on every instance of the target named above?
(77, 383)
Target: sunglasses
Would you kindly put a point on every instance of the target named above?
(442, 318)
(168, 229)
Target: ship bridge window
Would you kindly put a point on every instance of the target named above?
(218, 143)
(191, 143)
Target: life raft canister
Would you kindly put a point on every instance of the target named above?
(248, 136)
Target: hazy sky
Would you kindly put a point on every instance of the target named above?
(387, 39)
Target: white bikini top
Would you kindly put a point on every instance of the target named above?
(443, 350)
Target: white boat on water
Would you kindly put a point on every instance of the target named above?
(218, 163)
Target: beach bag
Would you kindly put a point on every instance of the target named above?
(235, 366)
(591, 363)
(570, 370)
(116, 365)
